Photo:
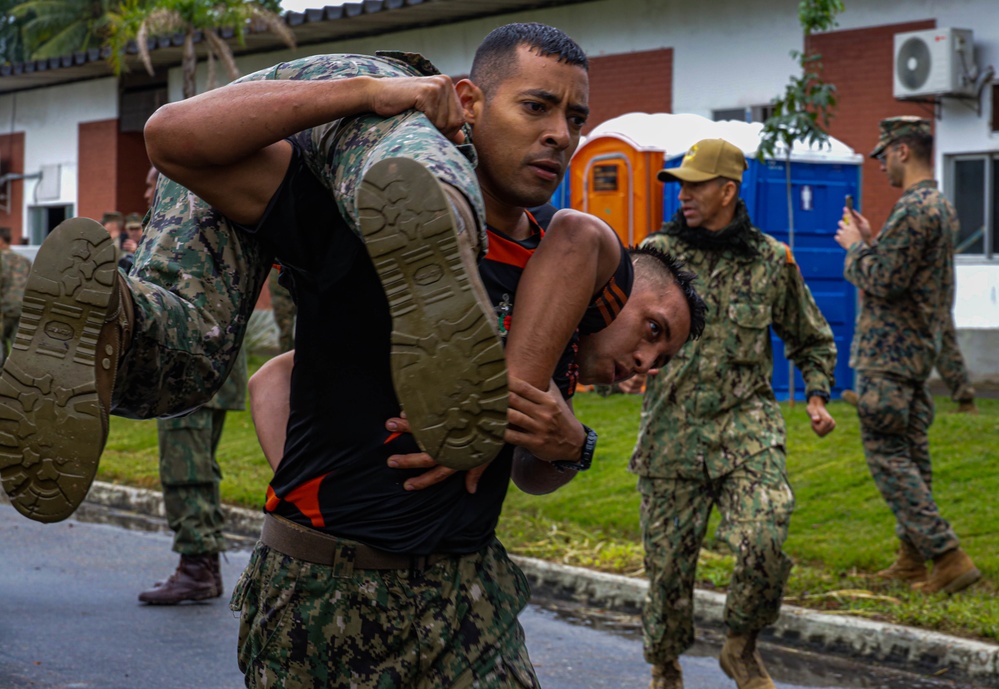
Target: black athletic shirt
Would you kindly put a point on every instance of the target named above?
(333, 476)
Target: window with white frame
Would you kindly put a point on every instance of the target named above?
(971, 183)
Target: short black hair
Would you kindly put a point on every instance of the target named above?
(668, 265)
(921, 146)
(494, 57)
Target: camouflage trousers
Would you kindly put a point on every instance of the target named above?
(305, 625)
(9, 330)
(284, 312)
(950, 366)
(755, 502)
(895, 417)
(196, 278)
(190, 476)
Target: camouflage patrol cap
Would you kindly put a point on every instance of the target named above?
(133, 221)
(895, 128)
(707, 159)
(112, 216)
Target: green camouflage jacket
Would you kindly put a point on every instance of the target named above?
(232, 395)
(907, 276)
(713, 407)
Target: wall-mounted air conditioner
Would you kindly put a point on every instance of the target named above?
(935, 62)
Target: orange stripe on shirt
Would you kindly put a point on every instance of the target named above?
(305, 498)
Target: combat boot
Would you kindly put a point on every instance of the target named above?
(850, 397)
(742, 662)
(447, 359)
(193, 580)
(216, 568)
(667, 676)
(908, 566)
(952, 572)
(967, 407)
(55, 391)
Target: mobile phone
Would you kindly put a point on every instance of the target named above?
(849, 202)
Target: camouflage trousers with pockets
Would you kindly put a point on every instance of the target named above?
(755, 502)
(196, 278)
(454, 624)
(190, 476)
(895, 418)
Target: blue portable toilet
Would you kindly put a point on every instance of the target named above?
(820, 181)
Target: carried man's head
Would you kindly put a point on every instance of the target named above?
(526, 100)
(662, 313)
(903, 142)
(710, 176)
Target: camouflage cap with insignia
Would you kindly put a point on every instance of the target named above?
(112, 216)
(707, 159)
(894, 128)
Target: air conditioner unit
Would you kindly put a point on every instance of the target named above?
(935, 62)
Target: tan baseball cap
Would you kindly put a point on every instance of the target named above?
(707, 159)
(133, 221)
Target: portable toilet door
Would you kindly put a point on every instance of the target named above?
(818, 193)
(614, 179)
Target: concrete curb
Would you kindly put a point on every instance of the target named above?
(853, 637)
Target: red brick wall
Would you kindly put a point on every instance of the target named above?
(630, 82)
(12, 152)
(860, 62)
(98, 161)
(132, 166)
(112, 169)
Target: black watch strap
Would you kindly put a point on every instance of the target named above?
(586, 458)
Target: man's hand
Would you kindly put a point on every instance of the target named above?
(434, 96)
(857, 230)
(422, 460)
(822, 421)
(542, 423)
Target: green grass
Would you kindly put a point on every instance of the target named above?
(841, 532)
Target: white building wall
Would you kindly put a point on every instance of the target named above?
(50, 120)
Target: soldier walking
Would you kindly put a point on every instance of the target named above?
(712, 434)
(907, 275)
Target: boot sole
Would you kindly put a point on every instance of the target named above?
(52, 428)
(447, 360)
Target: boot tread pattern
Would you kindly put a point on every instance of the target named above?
(51, 424)
(447, 361)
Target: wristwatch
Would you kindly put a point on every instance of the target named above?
(586, 459)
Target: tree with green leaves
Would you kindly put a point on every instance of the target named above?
(138, 21)
(803, 112)
(50, 28)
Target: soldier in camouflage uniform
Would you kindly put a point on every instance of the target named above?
(190, 475)
(14, 276)
(284, 311)
(907, 275)
(711, 433)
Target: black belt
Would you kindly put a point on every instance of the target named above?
(307, 544)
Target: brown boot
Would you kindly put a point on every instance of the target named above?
(967, 407)
(908, 566)
(193, 580)
(667, 676)
(742, 662)
(952, 572)
(850, 397)
(217, 574)
(55, 392)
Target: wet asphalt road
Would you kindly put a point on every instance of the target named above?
(69, 619)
